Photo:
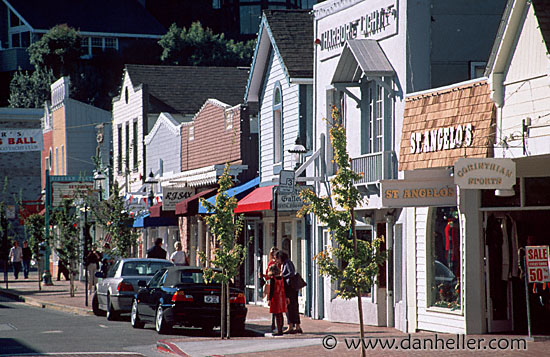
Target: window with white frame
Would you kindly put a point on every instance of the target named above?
(57, 161)
(135, 144)
(191, 133)
(277, 124)
(62, 160)
(95, 45)
(228, 119)
(374, 130)
(127, 146)
(19, 34)
(119, 148)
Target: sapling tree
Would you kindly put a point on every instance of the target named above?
(353, 263)
(228, 254)
(36, 235)
(67, 238)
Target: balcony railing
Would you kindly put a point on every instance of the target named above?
(376, 166)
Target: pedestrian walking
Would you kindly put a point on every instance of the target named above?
(266, 278)
(27, 256)
(156, 251)
(16, 257)
(277, 300)
(179, 257)
(92, 265)
(288, 271)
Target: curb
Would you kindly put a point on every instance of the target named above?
(44, 304)
(169, 347)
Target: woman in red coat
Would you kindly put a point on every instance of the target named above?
(277, 300)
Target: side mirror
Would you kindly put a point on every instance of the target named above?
(142, 283)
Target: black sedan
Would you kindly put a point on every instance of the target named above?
(179, 296)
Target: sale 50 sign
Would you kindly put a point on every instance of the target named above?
(537, 263)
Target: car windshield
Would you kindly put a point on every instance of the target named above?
(142, 268)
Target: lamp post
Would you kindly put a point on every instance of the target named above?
(297, 151)
(99, 178)
(151, 181)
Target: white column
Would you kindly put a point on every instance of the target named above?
(389, 271)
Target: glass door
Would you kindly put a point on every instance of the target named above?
(253, 261)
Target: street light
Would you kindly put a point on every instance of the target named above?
(151, 181)
(297, 151)
(99, 178)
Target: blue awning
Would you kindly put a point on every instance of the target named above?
(145, 221)
(237, 191)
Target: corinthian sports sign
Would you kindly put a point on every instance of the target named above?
(486, 173)
(17, 140)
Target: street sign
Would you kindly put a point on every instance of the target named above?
(286, 182)
(293, 201)
(536, 258)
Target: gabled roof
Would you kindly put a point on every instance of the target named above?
(292, 34)
(289, 33)
(542, 12)
(184, 89)
(102, 16)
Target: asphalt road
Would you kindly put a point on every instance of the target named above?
(27, 330)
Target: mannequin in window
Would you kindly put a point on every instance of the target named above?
(452, 246)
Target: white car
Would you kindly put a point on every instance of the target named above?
(115, 292)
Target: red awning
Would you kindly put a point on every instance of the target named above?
(258, 200)
(190, 206)
(157, 211)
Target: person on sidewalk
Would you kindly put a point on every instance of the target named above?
(288, 270)
(179, 257)
(156, 251)
(16, 256)
(267, 278)
(92, 265)
(277, 300)
(27, 255)
(107, 260)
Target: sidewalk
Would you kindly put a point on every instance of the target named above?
(319, 338)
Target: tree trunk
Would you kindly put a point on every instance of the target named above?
(359, 302)
(228, 304)
(223, 306)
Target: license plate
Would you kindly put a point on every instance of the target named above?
(211, 299)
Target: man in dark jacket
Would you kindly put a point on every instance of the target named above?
(157, 251)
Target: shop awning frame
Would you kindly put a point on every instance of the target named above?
(232, 192)
(190, 206)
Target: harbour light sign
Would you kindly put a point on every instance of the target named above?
(377, 21)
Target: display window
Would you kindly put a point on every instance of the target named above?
(443, 258)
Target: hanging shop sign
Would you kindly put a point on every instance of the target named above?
(17, 140)
(293, 201)
(69, 190)
(488, 173)
(173, 195)
(536, 259)
(412, 193)
(376, 20)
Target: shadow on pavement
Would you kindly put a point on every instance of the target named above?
(12, 346)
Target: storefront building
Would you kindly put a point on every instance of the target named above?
(368, 56)
(448, 135)
(520, 88)
(280, 82)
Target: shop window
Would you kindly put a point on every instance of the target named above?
(443, 258)
(537, 191)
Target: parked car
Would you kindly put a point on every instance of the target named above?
(115, 292)
(180, 296)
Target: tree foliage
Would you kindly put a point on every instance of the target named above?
(198, 46)
(35, 233)
(228, 254)
(361, 258)
(116, 220)
(66, 235)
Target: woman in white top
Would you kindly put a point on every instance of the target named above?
(179, 257)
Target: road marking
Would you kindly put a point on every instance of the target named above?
(7, 327)
(103, 326)
(53, 331)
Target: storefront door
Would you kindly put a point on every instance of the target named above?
(498, 287)
(253, 262)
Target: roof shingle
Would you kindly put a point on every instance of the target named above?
(292, 31)
(184, 89)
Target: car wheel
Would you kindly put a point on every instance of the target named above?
(161, 326)
(134, 317)
(95, 306)
(112, 314)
